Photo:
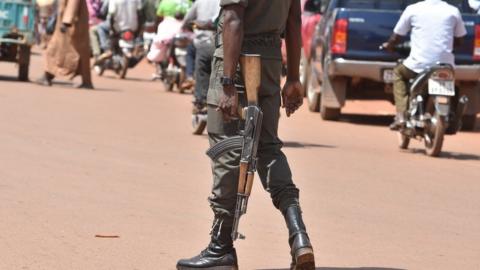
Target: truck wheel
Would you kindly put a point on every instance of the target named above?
(468, 122)
(330, 114)
(304, 69)
(313, 92)
(23, 62)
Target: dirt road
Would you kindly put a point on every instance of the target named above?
(120, 162)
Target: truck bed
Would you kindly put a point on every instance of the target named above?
(369, 28)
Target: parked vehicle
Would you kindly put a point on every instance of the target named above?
(127, 52)
(435, 109)
(17, 30)
(310, 18)
(345, 61)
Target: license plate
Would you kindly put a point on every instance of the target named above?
(441, 88)
(388, 75)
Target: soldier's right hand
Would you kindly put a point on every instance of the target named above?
(292, 96)
(228, 104)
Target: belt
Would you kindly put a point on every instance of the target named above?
(257, 40)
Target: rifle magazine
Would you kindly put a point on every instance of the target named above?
(225, 146)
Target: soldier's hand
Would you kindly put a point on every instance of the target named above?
(292, 96)
(228, 104)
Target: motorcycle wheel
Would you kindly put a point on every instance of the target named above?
(99, 70)
(198, 124)
(403, 140)
(169, 85)
(179, 81)
(123, 71)
(434, 135)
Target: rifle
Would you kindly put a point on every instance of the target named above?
(248, 139)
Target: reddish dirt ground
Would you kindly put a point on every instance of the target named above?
(121, 161)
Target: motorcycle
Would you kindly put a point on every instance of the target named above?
(434, 109)
(172, 71)
(127, 52)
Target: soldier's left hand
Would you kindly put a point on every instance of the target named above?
(292, 96)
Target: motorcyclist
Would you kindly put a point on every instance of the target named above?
(475, 5)
(166, 31)
(435, 27)
(124, 15)
(170, 8)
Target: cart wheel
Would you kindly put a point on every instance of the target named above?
(23, 62)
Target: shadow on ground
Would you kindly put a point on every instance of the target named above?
(306, 145)
(132, 79)
(343, 268)
(9, 79)
(367, 119)
(447, 155)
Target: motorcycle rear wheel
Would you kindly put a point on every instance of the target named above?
(403, 140)
(123, 71)
(99, 69)
(198, 124)
(436, 133)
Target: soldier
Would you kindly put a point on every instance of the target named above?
(254, 27)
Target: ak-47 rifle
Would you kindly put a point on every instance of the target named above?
(247, 141)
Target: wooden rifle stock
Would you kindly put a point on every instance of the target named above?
(251, 70)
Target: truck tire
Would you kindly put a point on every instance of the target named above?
(313, 92)
(330, 114)
(304, 69)
(468, 122)
(23, 62)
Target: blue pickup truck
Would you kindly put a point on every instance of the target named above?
(346, 62)
(17, 22)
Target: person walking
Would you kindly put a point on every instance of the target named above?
(254, 27)
(68, 52)
(203, 15)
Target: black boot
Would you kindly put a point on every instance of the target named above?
(300, 246)
(220, 253)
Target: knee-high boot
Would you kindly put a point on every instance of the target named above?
(220, 253)
(300, 246)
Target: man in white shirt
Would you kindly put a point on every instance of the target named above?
(475, 5)
(125, 15)
(435, 27)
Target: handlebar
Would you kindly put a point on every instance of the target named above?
(402, 48)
